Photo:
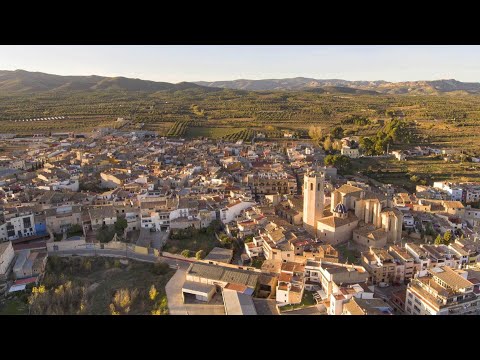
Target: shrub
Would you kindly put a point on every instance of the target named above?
(160, 268)
(200, 254)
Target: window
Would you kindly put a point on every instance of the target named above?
(311, 186)
(417, 309)
(409, 302)
(417, 301)
(318, 187)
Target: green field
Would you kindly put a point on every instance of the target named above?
(15, 306)
(443, 120)
(195, 242)
(210, 132)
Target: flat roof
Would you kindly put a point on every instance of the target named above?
(220, 254)
(197, 287)
(225, 274)
(237, 303)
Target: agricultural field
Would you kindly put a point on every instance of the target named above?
(416, 170)
(211, 132)
(439, 120)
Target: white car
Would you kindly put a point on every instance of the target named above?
(383, 284)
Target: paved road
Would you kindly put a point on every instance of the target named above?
(204, 309)
(174, 293)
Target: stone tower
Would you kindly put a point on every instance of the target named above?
(313, 195)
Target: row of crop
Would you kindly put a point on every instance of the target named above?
(178, 129)
(246, 135)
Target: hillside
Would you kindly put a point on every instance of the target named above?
(21, 81)
(300, 83)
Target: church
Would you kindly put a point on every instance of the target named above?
(354, 214)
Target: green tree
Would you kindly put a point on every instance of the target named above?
(367, 145)
(341, 162)
(315, 132)
(438, 240)
(185, 253)
(105, 234)
(447, 237)
(337, 132)
(327, 144)
(120, 225)
(75, 229)
(379, 147)
(200, 254)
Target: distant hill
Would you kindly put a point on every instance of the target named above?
(337, 85)
(21, 81)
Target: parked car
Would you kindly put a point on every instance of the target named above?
(383, 284)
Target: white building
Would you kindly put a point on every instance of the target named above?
(71, 184)
(351, 153)
(455, 192)
(399, 155)
(231, 211)
(17, 225)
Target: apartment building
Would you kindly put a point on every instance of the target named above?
(403, 257)
(382, 267)
(442, 291)
(337, 274)
(272, 183)
(16, 224)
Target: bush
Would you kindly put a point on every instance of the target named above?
(200, 254)
(75, 230)
(248, 239)
(186, 253)
(160, 268)
(106, 234)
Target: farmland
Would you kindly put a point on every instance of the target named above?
(442, 120)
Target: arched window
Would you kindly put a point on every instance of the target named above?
(311, 186)
(318, 187)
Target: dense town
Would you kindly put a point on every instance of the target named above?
(248, 228)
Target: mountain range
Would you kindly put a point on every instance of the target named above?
(337, 85)
(21, 81)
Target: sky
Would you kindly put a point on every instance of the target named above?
(172, 63)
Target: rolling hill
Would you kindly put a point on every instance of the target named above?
(21, 81)
(336, 85)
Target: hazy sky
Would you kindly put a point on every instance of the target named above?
(193, 63)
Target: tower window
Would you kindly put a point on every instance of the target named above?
(318, 187)
(311, 186)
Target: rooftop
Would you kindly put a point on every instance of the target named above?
(224, 274)
(451, 278)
